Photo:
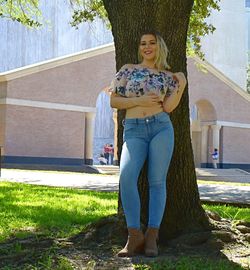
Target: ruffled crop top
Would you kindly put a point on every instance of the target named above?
(134, 81)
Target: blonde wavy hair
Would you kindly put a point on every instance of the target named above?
(161, 53)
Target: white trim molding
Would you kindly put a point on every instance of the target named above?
(232, 124)
(222, 77)
(225, 124)
(46, 105)
(59, 61)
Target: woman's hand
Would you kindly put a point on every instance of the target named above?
(172, 101)
(148, 100)
(119, 102)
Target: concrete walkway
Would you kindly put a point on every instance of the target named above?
(229, 193)
(224, 175)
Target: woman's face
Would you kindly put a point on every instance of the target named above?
(148, 47)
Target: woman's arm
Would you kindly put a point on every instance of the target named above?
(172, 101)
(119, 102)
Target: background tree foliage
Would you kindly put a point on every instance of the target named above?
(248, 79)
(26, 12)
(198, 26)
(248, 75)
(85, 11)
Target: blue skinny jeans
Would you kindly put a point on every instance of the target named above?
(149, 138)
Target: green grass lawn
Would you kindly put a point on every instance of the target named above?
(185, 263)
(62, 212)
(51, 211)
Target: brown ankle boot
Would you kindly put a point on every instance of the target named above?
(151, 238)
(135, 243)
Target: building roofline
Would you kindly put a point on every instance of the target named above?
(221, 76)
(55, 62)
(59, 61)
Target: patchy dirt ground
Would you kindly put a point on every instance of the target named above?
(97, 246)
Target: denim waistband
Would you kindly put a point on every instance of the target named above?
(152, 118)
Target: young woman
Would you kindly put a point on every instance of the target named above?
(148, 92)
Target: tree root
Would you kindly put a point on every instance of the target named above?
(100, 241)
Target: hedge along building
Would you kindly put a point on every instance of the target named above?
(47, 110)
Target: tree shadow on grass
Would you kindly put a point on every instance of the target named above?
(223, 193)
(96, 245)
(105, 238)
(47, 218)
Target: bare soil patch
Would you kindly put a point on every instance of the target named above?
(96, 247)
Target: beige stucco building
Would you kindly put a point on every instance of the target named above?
(220, 117)
(47, 112)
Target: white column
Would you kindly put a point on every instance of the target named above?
(115, 162)
(216, 142)
(204, 143)
(191, 128)
(216, 136)
(89, 134)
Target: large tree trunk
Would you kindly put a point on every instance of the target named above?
(129, 18)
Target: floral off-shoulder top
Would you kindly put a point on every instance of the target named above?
(134, 81)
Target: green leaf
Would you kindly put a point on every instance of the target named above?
(25, 12)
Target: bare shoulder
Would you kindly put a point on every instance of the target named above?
(180, 76)
(177, 74)
(168, 72)
(128, 66)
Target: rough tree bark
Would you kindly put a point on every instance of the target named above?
(128, 19)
